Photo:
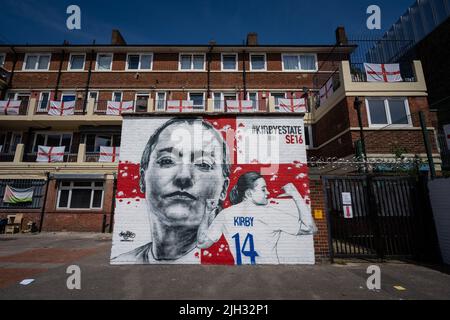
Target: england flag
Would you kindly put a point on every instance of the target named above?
(292, 105)
(10, 107)
(109, 154)
(239, 105)
(383, 72)
(50, 154)
(61, 108)
(116, 108)
(180, 105)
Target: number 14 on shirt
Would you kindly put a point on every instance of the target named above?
(251, 253)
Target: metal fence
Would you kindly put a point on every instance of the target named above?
(38, 192)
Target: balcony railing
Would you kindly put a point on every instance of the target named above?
(42, 107)
(6, 156)
(92, 156)
(100, 106)
(406, 70)
(68, 157)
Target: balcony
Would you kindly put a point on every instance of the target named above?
(406, 71)
(42, 107)
(350, 80)
(68, 157)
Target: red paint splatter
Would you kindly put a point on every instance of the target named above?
(127, 181)
(223, 257)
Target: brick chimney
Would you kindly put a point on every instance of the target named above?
(117, 39)
(341, 36)
(252, 39)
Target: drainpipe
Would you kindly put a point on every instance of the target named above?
(208, 90)
(244, 74)
(3, 94)
(58, 79)
(41, 222)
(111, 216)
(86, 91)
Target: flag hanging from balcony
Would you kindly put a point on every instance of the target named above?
(50, 154)
(116, 108)
(10, 107)
(383, 72)
(447, 135)
(109, 154)
(16, 196)
(326, 91)
(180, 105)
(292, 105)
(239, 105)
(61, 108)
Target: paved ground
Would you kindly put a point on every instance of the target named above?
(45, 258)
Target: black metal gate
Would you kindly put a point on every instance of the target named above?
(391, 218)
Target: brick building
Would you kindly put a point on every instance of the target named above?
(77, 193)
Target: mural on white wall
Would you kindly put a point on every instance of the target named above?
(213, 190)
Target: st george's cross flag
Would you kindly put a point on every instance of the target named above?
(109, 154)
(180, 105)
(116, 108)
(50, 154)
(10, 107)
(383, 72)
(239, 105)
(61, 108)
(326, 91)
(16, 195)
(292, 105)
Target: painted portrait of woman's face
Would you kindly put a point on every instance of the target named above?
(259, 194)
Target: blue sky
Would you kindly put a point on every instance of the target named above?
(191, 21)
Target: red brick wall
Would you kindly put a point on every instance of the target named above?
(76, 220)
(321, 246)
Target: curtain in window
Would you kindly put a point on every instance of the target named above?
(185, 62)
(198, 62)
(291, 62)
(43, 62)
(104, 62)
(308, 62)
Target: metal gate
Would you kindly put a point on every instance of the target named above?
(391, 218)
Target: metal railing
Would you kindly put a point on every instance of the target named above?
(100, 106)
(42, 107)
(445, 152)
(7, 156)
(68, 157)
(406, 70)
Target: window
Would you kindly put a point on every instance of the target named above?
(253, 97)
(80, 195)
(139, 62)
(117, 96)
(68, 96)
(299, 62)
(278, 96)
(36, 62)
(93, 95)
(220, 98)
(2, 59)
(229, 61)
(308, 137)
(390, 111)
(257, 62)
(198, 100)
(51, 139)
(160, 101)
(10, 145)
(43, 101)
(76, 62)
(95, 141)
(23, 97)
(104, 61)
(142, 101)
(192, 62)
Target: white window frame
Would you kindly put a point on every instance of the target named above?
(121, 95)
(140, 60)
(278, 92)
(222, 98)
(229, 54)
(192, 61)
(157, 101)
(47, 133)
(140, 94)
(37, 62)
(203, 99)
(300, 69)
(69, 66)
(265, 62)
(4, 59)
(388, 112)
(69, 200)
(112, 61)
(39, 109)
(257, 99)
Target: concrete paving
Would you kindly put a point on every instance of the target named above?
(46, 256)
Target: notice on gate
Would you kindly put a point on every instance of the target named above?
(347, 205)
